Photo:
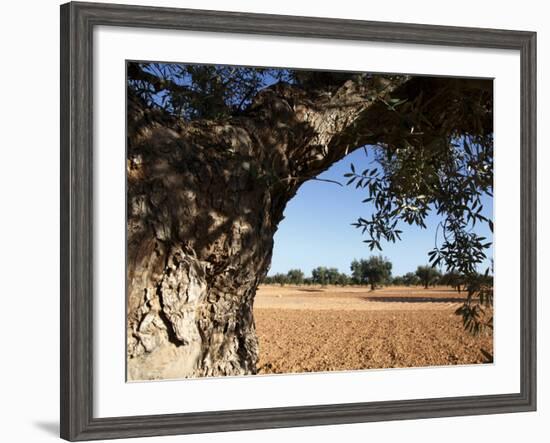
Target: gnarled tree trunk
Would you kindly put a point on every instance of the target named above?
(204, 202)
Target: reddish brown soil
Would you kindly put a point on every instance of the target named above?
(305, 329)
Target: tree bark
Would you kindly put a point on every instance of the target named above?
(204, 201)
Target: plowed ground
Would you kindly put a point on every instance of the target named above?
(306, 329)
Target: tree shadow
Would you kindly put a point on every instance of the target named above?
(413, 299)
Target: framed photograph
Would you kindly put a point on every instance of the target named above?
(273, 221)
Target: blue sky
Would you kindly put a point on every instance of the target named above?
(317, 228)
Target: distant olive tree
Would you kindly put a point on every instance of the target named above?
(280, 279)
(453, 279)
(427, 275)
(295, 276)
(398, 280)
(319, 275)
(374, 271)
(411, 279)
(343, 279)
(325, 276)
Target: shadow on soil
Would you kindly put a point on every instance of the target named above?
(414, 299)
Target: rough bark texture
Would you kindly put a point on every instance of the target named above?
(204, 202)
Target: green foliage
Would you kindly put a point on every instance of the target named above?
(198, 91)
(448, 177)
(374, 271)
(437, 157)
(321, 275)
(476, 312)
(343, 279)
(428, 275)
(397, 280)
(411, 279)
(279, 279)
(295, 276)
(325, 276)
(453, 279)
(192, 92)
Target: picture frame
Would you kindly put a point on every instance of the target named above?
(78, 21)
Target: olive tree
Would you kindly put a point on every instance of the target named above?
(280, 279)
(427, 275)
(295, 276)
(453, 279)
(325, 276)
(410, 279)
(214, 154)
(398, 280)
(374, 271)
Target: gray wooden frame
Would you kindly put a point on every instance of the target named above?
(77, 23)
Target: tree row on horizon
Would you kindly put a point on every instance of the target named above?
(375, 272)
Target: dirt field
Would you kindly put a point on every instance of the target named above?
(304, 329)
